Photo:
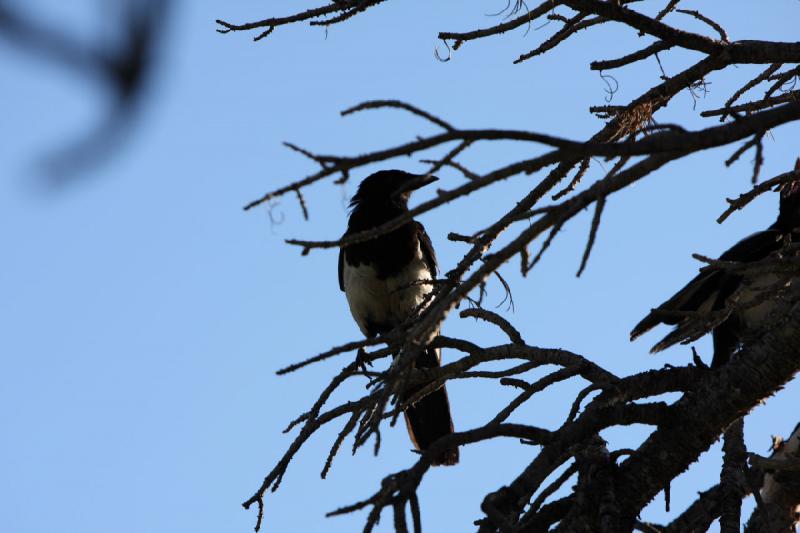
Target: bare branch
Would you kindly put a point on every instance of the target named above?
(598, 212)
(529, 16)
(699, 16)
(732, 478)
(513, 335)
(378, 104)
(644, 53)
(606, 497)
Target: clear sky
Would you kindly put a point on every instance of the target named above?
(143, 313)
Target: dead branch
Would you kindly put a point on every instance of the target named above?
(606, 496)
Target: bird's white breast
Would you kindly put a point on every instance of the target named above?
(386, 302)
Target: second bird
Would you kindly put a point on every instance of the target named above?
(745, 303)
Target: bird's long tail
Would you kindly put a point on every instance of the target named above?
(429, 418)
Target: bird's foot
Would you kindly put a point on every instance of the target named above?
(373, 381)
(363, 361)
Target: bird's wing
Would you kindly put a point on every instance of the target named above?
(426, 246)
(690, 298)
(755, 247)
(341, 269)
(708, 290)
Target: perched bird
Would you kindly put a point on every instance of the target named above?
(742, 303)
(381, 279)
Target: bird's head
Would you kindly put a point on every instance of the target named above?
(389, 187)
(789, 217)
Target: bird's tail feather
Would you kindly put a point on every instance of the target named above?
(429, 418)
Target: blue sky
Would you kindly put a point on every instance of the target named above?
(144, 313)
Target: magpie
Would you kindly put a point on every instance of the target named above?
(743, 304)
(384, 281)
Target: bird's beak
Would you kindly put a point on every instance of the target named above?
(419, 182)
(413, 184)
(426, 180)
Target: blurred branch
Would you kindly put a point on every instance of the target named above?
(123, 67)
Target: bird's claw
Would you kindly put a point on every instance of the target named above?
(374, 381)
(362, 360)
